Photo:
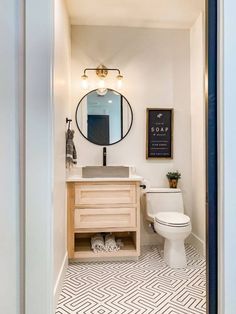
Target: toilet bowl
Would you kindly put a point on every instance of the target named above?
(174, 228)
(165, 208)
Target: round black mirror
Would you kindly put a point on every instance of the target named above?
(104, 117)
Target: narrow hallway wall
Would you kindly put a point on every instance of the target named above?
(9, 165)
(198, 143)
(61, 111)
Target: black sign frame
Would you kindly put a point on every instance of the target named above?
(163, 148)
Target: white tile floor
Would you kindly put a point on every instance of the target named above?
(144, 287)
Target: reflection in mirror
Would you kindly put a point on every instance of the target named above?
(104, 118)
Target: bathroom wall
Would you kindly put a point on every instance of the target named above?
(198, 134)
(61, 111)
(156, 68)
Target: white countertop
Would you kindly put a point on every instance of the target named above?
(77, 178)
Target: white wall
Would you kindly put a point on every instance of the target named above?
(197, 64)
(9, 159)
(156, 68)
(39, 153)
(227, 156)
(61, 111)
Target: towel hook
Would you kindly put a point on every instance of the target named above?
(68, 121)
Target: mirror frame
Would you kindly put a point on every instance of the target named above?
(131, 123)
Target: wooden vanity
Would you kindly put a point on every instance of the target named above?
(100, 206)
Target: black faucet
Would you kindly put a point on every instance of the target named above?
(104, 156)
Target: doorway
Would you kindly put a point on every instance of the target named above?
(101, 124)
(212, 170)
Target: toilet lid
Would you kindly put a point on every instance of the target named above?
(172, 219)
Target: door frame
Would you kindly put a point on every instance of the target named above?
(37, 208)
(212, 158)
(42, 280)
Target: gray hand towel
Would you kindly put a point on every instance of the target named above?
(71, 154)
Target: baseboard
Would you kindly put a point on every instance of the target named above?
(59, 281)
(197, 243)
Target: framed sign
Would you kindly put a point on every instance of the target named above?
(159, 133)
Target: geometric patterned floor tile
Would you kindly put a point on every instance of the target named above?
(146, 286)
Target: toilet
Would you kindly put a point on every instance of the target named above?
(165, 209)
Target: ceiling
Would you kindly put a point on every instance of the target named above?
(135, 13)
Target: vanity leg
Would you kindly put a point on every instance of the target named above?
(138, 218)
(70, 220)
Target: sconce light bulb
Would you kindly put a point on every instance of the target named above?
(84, 81)
(101, 83)
(119, 81)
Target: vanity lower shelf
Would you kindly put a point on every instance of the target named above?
(84, 252)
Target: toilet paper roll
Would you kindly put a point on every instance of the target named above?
(147, 184)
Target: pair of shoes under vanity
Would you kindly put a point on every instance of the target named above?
(100, 205)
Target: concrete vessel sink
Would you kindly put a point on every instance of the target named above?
(105, 172)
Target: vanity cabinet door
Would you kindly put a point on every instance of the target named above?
(99, 194)
(105, 217)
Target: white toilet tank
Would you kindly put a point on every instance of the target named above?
(164, 200)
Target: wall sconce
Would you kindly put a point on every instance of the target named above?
(101, 72)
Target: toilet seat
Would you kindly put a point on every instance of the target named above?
(172, 219)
